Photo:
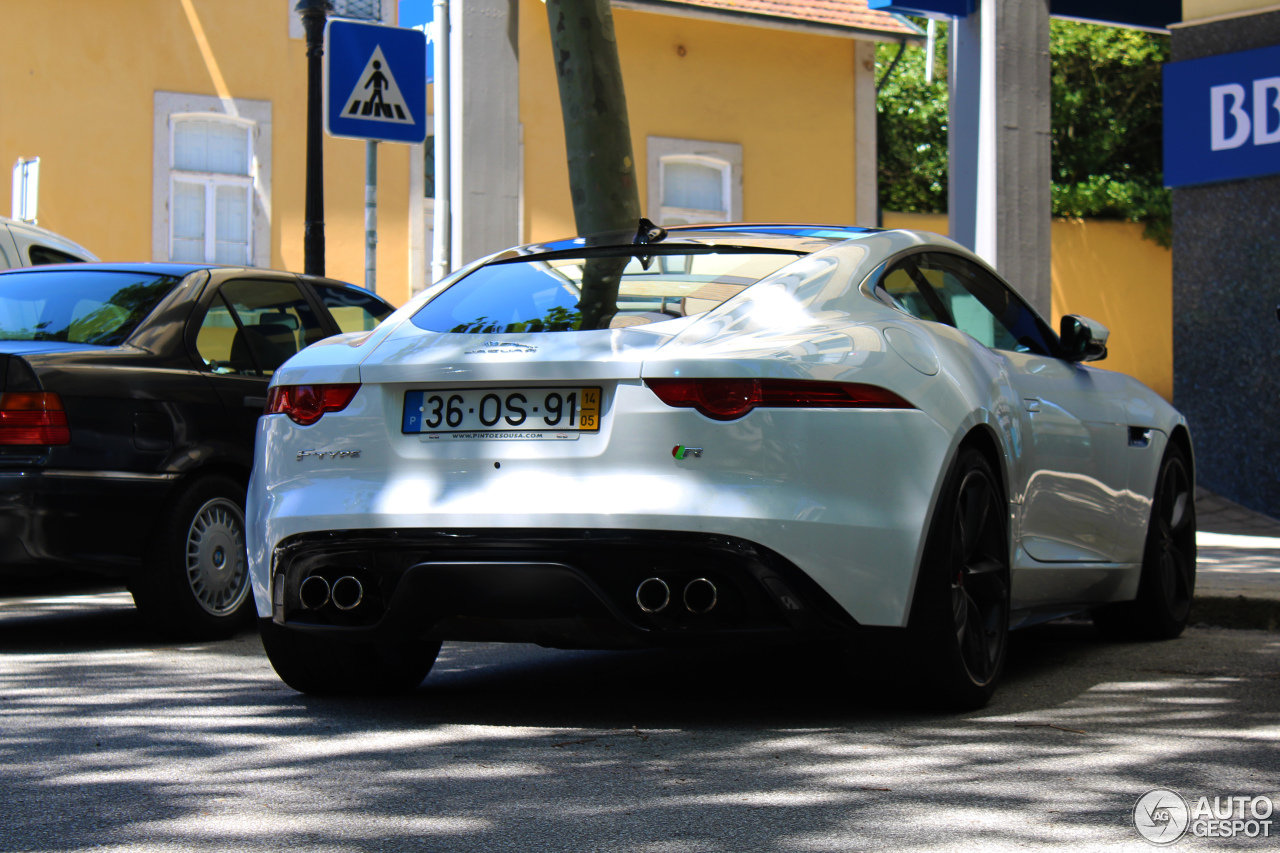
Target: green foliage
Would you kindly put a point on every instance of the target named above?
(912, 130)
(1106, 160)
(557, 319)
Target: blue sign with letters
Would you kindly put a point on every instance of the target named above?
(1151, 14)
(1222, 117)
(951, 8)
(375, 83)
(418, 15)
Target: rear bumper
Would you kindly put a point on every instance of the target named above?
(556, 588)
(843, 496)
(87, 520)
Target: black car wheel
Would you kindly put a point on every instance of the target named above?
(1168, 580)
(195, 581)
(960, 616)
(326, 666)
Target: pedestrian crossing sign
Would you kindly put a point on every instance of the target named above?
(375, 83)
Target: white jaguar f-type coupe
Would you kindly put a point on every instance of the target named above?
(713, 434)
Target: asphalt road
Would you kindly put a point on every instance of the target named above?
(113, 740)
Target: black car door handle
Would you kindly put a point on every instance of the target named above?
(255, 402)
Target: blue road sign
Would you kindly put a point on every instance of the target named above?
(1222, 117)
(375, 85)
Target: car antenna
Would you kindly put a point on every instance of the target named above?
(648, 233)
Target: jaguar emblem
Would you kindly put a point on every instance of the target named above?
(501, 346)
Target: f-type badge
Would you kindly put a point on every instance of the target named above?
(682, 452)
(329, 454)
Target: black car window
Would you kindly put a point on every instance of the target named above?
(41, 255)
(981, 305)
(353, 309)
(900, 286)
(100, 307)
(253, 327)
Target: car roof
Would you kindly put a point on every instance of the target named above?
(45, 237)
(152, 268)
(176, 269)
(798, 237)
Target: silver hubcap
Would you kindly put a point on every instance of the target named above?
(216, 561)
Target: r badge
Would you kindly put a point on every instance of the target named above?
(682, 452)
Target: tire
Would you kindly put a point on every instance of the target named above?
(1168, 580)
(327, 667)
(195, 579)
(959, 623)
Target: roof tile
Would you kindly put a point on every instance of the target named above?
(839, 13)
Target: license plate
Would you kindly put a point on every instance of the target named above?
(510, 411)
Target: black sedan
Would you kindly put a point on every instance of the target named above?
(129, 397)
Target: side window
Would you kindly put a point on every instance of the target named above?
(41, 255)
(253, 327)
(981, 305)
(214, 339)
(900, 286)
(353, 310)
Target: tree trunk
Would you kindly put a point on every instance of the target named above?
(602, 175)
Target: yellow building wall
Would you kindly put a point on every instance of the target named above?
(77, 84)
(1107, 271)
(786, 97)
(1196, 9)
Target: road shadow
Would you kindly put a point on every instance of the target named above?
(116, 741)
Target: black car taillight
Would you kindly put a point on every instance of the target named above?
(33, 417)
(730, 399)
(305, 404)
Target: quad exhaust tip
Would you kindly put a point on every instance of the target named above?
(347, 593)
(314, 593)
(653, 595)
(700, 595)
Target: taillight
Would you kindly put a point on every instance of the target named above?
(33, 417)
(729, 399)
(304, 404)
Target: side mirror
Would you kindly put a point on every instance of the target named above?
(1083, 339)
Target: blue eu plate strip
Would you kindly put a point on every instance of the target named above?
(412, 412)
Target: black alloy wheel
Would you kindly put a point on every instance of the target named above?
(194, 584)
(1168, 581)
(960, 616)
(979, 591)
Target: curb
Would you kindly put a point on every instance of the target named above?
(1238, 611)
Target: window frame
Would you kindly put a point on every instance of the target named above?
(171, 107)
(726, 156)
(388, 8)
(211, 181)
(697, 215)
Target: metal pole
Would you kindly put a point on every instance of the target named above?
(442, 226)
(313, 16)
(371, 215)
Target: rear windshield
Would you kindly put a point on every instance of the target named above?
(78, 306)
(540, 294)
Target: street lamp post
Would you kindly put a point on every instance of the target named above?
(313, 14)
